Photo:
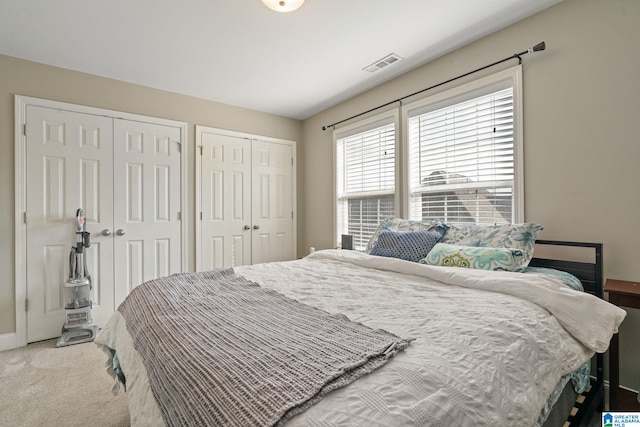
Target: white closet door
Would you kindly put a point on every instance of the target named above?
(272, 215)
(226, 201)
(69, 165)
(147, 230)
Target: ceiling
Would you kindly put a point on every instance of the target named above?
(239, 52)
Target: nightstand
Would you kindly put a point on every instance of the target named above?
(622, 294)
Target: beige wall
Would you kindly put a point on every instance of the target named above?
(41, 81)
(582, 148)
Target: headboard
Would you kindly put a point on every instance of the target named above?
(591, 276)
(589, 273)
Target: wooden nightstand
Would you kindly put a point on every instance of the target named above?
(622, 294)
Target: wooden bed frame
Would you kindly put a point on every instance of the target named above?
(591, 276)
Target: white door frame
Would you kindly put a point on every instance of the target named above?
(198, 205)
(21, 103)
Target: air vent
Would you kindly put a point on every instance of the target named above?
(380, 64)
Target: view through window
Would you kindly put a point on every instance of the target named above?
(462, 161)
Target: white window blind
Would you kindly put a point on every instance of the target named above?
(461, 161)
(365, 166)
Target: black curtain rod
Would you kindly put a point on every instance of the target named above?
(539, 46)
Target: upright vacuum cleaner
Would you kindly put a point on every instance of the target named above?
(77, 292)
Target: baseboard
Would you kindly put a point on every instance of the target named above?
(8, 341)
(629, 389)
(627, 398)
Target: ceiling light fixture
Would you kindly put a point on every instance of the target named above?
(283, 5)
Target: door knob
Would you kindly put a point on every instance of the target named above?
(256, 227)
(120, 232)
(246, 227)
(106, 232)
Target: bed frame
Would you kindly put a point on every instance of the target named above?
(590, 274)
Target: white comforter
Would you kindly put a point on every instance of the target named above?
(489, 348)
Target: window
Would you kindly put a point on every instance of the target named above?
(462, 148)
(461, 160)
(365, 180)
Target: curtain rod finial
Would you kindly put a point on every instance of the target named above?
(538, 47)
(324, 128)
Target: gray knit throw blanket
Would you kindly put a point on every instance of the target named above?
(220, 350)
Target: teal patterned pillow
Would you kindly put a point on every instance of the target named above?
(496, 259)
(399, 224)
(406, 245)
(512, 236)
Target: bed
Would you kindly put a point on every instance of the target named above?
(470, 346)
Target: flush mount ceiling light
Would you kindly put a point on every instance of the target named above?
(283, 5)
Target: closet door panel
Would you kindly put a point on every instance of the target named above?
(147, 217)
(246, 200)
(272, 202)
(69, 165)
(226, 201)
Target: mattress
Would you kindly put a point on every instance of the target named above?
(489, 347)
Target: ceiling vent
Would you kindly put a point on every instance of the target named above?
(381, 63)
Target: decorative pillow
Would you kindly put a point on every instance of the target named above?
(567, 279)
(398, 224)
(496, 259)
(406, 245)
(513, 236)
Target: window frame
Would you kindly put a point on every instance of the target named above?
(459, 94)
(382, 119)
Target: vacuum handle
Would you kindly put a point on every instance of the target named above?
(80, 219)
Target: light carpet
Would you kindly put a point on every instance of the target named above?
(68, 386)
